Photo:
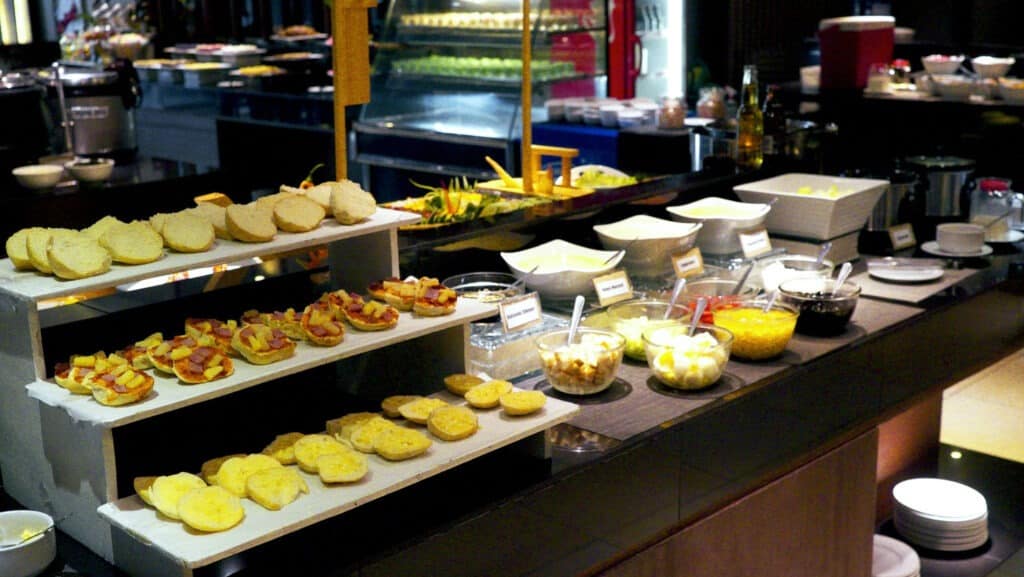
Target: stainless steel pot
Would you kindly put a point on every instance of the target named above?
(946, 177)
(887, 211)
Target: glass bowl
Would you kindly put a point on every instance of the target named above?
(687, 362)
(487, 287)
(584, 367)
(776, 270)
(718, 292)
(758, 334)
(631, 318)
(821, 312)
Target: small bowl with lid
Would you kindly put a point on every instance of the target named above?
(825, 309)
(586, 366)
(688, 362)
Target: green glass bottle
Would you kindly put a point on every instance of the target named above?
(750, 123)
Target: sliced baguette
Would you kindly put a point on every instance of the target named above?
(218, 217)
(97, 229)
(350, 203)
(74, 256)
(17, 249)
(187, 232)
(133, 243)
(38, 241)
(251, 222)
(298, 214)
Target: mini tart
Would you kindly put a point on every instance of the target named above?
(202, 365)
(370, 316)
(396, 292)
(163, 354)
(433, 299)
(220, 331)
(288, 321)
(320, 326)
(120, 385)
(136, 353)
(74, 376)
(341, 299)
(262, 345)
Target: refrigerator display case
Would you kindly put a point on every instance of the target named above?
(446, 85)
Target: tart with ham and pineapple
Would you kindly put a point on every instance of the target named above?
(202, 364)
(220, 331)
(118, 383)
(363, 315)
(395, 291)
(321, 325)
(162, 354)
(433, 299)
(288, 321)
(74, 375)
(262, 345)
(136, 353)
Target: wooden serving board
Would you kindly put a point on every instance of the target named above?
(187, 549)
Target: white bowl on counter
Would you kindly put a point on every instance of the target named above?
(815, 206)
(1011, 90)
(722, 221)
(991, 66)
(90, 170)
(654, 241)
(942, 63)
(31, 557)
(563, 269)
(38, 176)
(952, 86)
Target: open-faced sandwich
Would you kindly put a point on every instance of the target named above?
(119, 384)
(262, 345)
(396, 292)
(433, 299)
(136, 353)
(203, 364)
(163, 354)
(320, 325)
(363, 315)
(73, 376)
(220, 331)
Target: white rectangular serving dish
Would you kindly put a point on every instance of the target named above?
(834, 206)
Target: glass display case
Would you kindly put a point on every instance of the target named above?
(446, 84)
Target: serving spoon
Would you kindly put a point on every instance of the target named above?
(698, 311)
(676, 291)
(35, 534)
(577, 314)
(844, 271)
(522, 279)
(620, 251)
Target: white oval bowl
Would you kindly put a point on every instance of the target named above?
(565, 269)
(720, 233)
(32, 557)
(657, 240)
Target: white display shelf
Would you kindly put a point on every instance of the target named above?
(34, 286)
(189, 549)
(169, 394)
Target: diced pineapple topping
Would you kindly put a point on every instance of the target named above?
(137, 381)
(204, 326)
(84, 361)
(162, 349)
(180, 353)
(442, 297)
(333, 328)
(216, 359)
(393, 285)
(408, 290)
(212, 372)
(151, 340)
(125, 377)
(257, 344)
(116, 359)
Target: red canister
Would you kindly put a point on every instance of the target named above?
(850, 45)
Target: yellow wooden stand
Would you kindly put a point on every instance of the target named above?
(351, 54)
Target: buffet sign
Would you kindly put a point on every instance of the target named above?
(520, 312)
(755, 243)
(613, 287)
(689, 263)
(902, 236)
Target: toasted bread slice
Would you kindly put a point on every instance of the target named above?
(218, 217)
(320, 194)
(347, 467)
(452, 423)
(97, 229)
(38, 242)
(298, 214)
(167, 490)
(210, 509)
(275, 488)
(460, 383)
(251, 222)
(133, 243)
(187, 232)
(350, 203)
(74, 256)
(399, 443)
(519, 403)
(234, 472)
(282, 448)
(487, 395)
(419, 410)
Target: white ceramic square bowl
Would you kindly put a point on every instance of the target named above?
(656, 240)
(564, 269)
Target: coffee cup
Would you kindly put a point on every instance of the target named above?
(960, 237)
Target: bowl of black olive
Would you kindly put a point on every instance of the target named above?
(824, 308)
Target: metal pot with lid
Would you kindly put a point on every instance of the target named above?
(99, 105)
(945, 179)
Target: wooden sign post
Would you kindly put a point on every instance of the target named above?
(527, 96)
(351, 55)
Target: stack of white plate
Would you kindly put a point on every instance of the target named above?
(940, 514)
(894, 558)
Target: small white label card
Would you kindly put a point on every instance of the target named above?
(520, 312)
(902, 236)
(689, 263)
(613, 287)
(755, 242)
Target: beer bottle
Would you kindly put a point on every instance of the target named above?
(750, 123)
(774, 123)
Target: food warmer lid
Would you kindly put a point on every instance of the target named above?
(941, 162)
(81, 77)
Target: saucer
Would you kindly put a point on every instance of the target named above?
(932, 247)
(1012, 236)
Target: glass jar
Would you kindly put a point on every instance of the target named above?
(672, 113)
(711, 103)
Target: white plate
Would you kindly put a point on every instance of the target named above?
(1011, 237)
(940, 499)
(894, 558)
(932, 247)
(906, 275)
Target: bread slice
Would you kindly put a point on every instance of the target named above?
(251, 222)
(271, 200)
(38, 241)
(218, 217)
(157, 221)
(350, 203)
(133, 243)
(17, 249)
(101, 226)
(298, 214)
(320, 194)
(74, 256)
(187, 232)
